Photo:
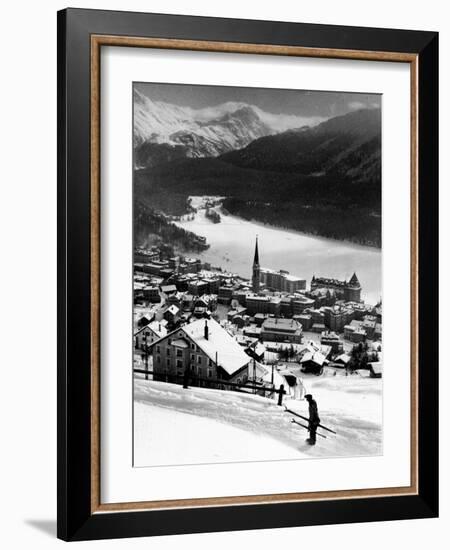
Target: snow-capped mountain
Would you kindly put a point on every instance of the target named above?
(163, 131)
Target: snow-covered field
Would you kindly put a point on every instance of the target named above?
(177, 426)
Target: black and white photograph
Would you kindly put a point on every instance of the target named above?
(257, 274)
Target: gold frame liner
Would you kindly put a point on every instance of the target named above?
(97, 41)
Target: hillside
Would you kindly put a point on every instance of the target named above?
(348, 145)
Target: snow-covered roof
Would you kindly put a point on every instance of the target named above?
(316, 357)
(230, 355)
(377, 367)
(168, 288)
(173, 309)
(157, 327)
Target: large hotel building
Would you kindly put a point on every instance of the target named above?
(281, 280)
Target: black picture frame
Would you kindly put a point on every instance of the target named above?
(75, 518)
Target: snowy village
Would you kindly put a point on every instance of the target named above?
(226, 368)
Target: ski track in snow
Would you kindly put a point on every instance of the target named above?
(351, 406)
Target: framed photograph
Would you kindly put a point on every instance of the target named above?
(247, 252)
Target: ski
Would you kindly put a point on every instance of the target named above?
(306, 428)
(307, 420)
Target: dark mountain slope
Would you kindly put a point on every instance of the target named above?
(345, 141)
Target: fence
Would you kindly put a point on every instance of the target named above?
(188, 379)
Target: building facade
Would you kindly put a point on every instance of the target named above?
(350, 291)
(200, 349)
(281, 330)
(281, 280)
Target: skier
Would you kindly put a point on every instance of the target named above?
(314, 419)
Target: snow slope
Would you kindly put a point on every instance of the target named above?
(160, 435)
(198, 425)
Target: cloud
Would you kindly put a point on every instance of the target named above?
(369, 104)
(354, 105)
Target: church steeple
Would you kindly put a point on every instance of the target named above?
(256, 274)
(256, 259)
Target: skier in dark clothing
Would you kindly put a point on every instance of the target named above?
(314, 419)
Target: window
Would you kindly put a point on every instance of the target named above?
(192, 346)
(210, 363)
(168, 362)
(168, 352)
(158, 349)
(209, 373)
(192, 357)
(158, 359)
(170, 341)
(179, 364)
(199, 359)
(179, 353)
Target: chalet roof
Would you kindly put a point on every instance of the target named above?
(343, 358)
(219, 345)
(377, 367)
(157, 327)
(314, 357)
(168, 288)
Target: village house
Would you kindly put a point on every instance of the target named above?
(331, 339)
(263, 304)
(305, 320)
(342, 360)
(151, 293)
(149, 333)
(312, 360)
(355, 332)
(168, 289)
(203, 349)
(239, 310)
(318, 327)
(172, 314)
(281, 330)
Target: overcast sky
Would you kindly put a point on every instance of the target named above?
(293, 102)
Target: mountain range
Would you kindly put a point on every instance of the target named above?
(164, 132)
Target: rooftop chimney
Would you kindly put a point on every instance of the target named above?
(206, 330)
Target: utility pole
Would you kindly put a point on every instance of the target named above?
(146, 356)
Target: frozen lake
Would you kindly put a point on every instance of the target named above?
(232, 244)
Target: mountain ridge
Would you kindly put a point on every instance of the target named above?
(325, 148)
(196, 133)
